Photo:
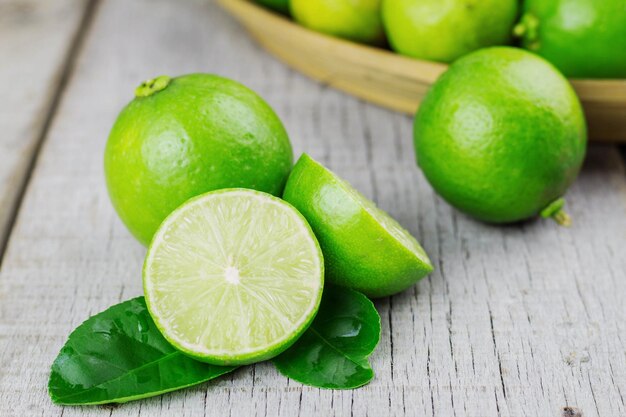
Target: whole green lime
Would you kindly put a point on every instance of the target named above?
(364, 248)
(281, 6)
(444, 30)
(583, 38)
(356, 20)
(501, 136)
(181, 137)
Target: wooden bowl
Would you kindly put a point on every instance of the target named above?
(394, 81)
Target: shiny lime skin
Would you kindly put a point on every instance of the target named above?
(281, 6)
(583, 38)
(356, 20)
(200, 133)
(444, 30)
(359, 253)
(501, 135)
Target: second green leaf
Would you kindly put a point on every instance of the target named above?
(333, 352)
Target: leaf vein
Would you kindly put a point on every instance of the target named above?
(355, 361)
(99, 385)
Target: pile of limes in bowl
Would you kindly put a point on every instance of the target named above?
(583, 38)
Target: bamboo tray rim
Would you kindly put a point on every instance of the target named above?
(338, 45)
(394, 81)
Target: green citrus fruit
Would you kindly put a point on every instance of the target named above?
(444, 30)
(501, 135)
(233, 277)
(364, 248)
(184, 136)
(281, 6)
(583, 38)
(356, 20)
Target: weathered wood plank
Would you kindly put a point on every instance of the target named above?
(516, 321)
(35, 45)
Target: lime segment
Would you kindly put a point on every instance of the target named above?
(364, 248)
(233, 277)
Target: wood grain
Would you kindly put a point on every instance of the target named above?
(516, 321)
(395, 81)
(36, 42)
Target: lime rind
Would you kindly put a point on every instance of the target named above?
(528, 29)
(233, 277)
(379, 216)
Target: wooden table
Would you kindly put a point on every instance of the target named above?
(515, 321)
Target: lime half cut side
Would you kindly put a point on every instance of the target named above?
(233, 277)
(364, 248)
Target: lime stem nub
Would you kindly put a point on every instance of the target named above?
(528, 28)
(519, 30)
(562, 218)
(555, 212)
(149, 87)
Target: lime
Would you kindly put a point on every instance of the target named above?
(356, 20)
(444, 30)
(583, 38)
(364, 248)
(185, 136)
(233, 277)
(501, 135)
(281, 6)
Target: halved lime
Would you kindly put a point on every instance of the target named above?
(364, 248)
(233, 277)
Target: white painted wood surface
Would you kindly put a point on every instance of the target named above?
(36, 38)
(516, 321)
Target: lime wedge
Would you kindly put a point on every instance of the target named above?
(233, 277)
(364, 248)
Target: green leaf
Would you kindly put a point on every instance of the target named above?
(118, 356)
(333, 352)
